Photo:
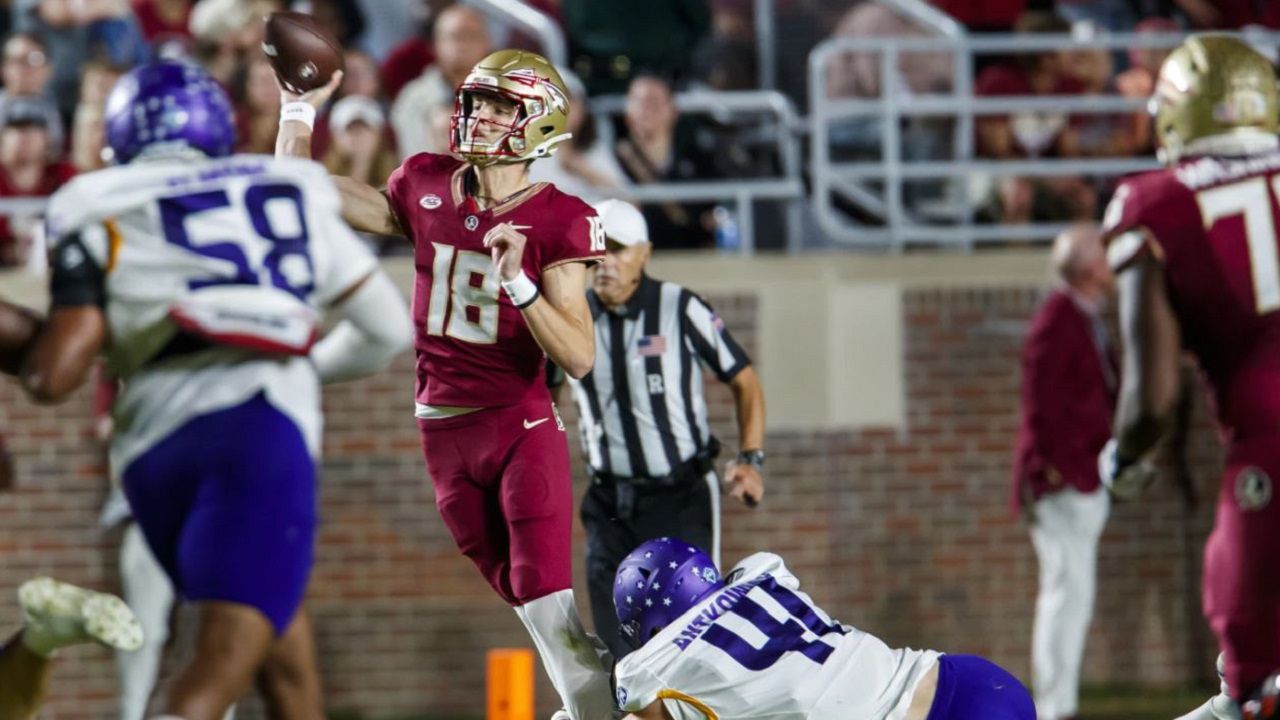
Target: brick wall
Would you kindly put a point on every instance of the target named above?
(904, 532)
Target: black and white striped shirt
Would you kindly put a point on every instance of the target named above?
(641, 407)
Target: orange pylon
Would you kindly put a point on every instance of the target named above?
(509, 684)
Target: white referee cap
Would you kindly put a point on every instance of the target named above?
(622, 222)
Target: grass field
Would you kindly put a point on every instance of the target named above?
(1095, 704)
(1134, 704)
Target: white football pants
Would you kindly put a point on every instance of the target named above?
(148, 593)
(1067, 527)
(578, 663)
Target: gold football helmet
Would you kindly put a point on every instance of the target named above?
(541, 118)
(1213, 86)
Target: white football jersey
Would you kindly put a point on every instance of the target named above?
(248, 237)
(760, 649)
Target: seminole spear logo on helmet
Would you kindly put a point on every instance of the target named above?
(1213, 91)
(530, 83)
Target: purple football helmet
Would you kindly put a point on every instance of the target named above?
(168, 105)
(657, 583)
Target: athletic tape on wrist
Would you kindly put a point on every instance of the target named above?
(521, 290)
(298, 111)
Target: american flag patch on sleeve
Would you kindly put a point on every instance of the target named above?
(650, 345)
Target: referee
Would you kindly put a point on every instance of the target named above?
(644, 420)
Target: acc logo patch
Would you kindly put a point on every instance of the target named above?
(430, 201)
(1253, 489)
(622, 696)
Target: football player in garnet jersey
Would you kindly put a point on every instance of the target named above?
(501, 266)
(1195, 251)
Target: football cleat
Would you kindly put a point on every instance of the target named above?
(57, 614)
(1265, 702)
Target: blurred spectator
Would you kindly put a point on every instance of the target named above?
(584, 166)
(87, 130)
(341, 19)
(1111, 15)
(984, 15)
(1139, 81)
(1034, 134)
(359, 148)
(164, 21)
(26, 72)
(359, 79)
(725, 63)
(239, 21)
(420, 115)
(1231, 14)
(30, 166)
(733, 20)
(858, 74)
(1044, 73)
(654, 152)
(1069, 382)
(410, 58)
(613, 42)
(75, 31)
(257, 101)
(1100, 135)
(227, 33)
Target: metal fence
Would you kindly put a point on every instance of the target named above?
(876, 187)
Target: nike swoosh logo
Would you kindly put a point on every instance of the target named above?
(531, 425)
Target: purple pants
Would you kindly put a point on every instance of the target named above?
(973, 688)
(227, 503)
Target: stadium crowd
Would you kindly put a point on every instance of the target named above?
(62, 57)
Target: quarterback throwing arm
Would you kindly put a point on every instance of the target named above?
(552, 302)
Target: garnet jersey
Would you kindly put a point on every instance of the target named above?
(474, 347)
(1212, 223)
(760, 649)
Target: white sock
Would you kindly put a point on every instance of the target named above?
(570, 655)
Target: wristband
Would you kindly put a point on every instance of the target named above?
(298, 111)
(521, 290)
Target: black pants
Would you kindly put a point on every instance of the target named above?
(682, 511)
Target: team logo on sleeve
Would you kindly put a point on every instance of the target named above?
(472, 222)
(430, 201)
(622, 697)
(1253, 489)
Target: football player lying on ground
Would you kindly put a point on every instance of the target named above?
(752, 646)
(56, 615)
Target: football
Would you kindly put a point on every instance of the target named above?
(303, 56)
